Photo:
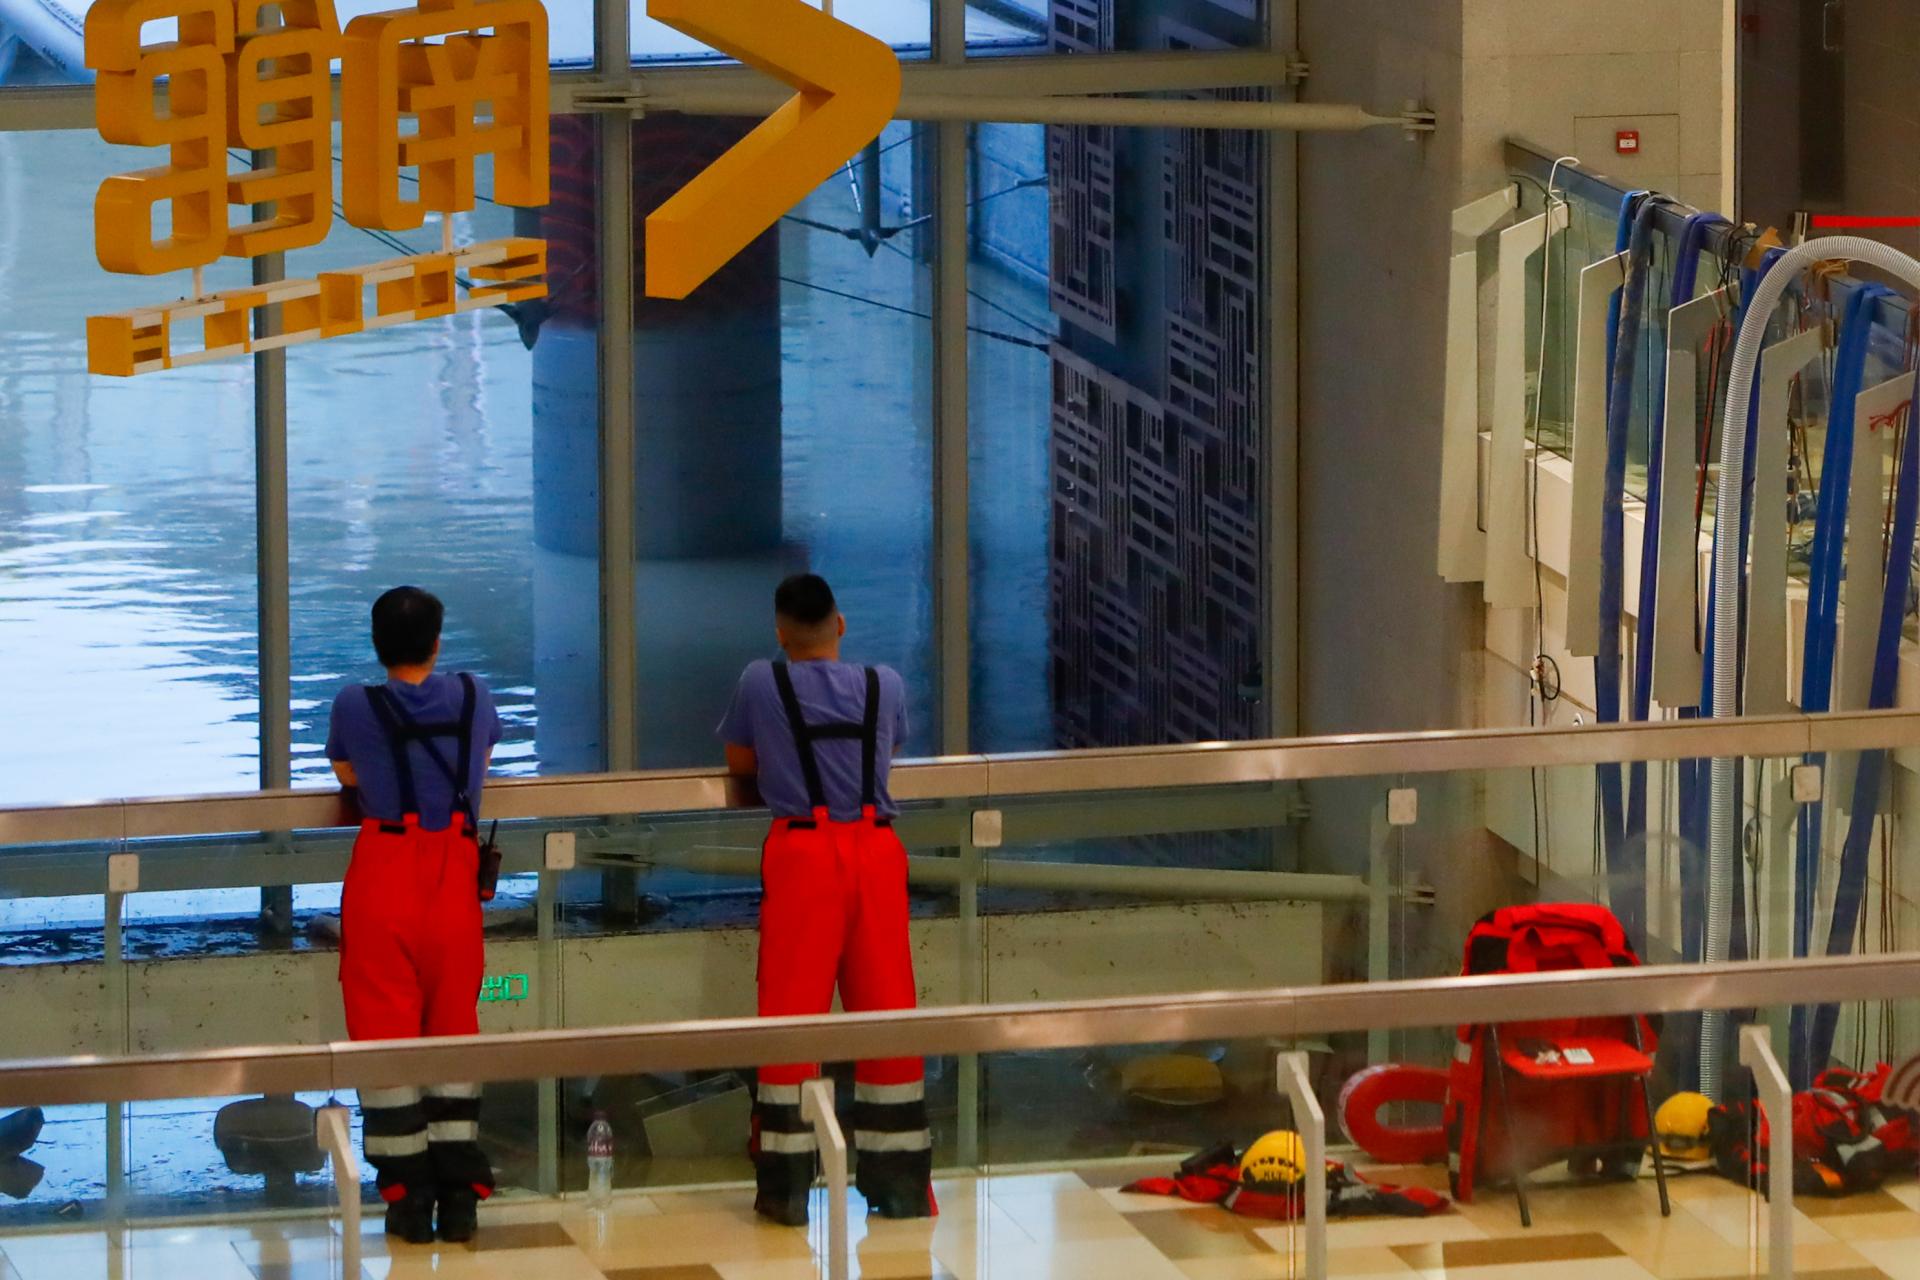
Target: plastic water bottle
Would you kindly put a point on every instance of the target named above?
(599, 1162)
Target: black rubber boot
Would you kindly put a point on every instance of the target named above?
(788, 1211)
(897, 1184)
(411, 1218)
(783, 1183)
(459, 1214)
(903, 1202)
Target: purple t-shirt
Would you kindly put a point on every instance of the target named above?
(356, 736)
(829, 692)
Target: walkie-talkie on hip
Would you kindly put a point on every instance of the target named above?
(490, 863)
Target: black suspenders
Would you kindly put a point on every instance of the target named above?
(805, 735)
(401, 729)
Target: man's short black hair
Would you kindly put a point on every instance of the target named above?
(406, 626)
(805, 599)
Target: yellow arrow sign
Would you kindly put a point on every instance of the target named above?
(847, 83)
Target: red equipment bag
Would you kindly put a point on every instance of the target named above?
(1567, 1078)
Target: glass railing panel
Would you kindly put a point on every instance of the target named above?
(1124, 892)
(1426, 1125)
(1121, 892)
(1088, 891)
(196, 1157)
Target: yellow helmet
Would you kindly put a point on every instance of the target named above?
(1681, 1123)
(1278, 1159)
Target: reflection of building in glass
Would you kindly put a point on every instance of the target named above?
(1157, 448)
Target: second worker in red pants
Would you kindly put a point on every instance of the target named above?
(415, 749)
(819, 734)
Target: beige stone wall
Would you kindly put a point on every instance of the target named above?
(1385, 645)
(1569, 74)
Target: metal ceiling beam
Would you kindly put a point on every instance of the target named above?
(1017, 74)
(692, 98)
(729, 88)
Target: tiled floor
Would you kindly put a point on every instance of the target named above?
(1063, 1225)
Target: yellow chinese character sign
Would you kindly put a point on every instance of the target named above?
(426, 93)
(846, 85)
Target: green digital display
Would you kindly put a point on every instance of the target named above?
(503, 987)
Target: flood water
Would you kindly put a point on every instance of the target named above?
(127, 551)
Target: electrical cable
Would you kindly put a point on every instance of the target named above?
(887, 233)
(390, 241)
(909, 311)
(987, 302)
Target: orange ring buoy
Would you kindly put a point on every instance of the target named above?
(1362, 1097)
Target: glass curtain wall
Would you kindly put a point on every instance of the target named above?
(783, 421)
(1119, 416)
(126, 518)
(787, 416)
(417, 454)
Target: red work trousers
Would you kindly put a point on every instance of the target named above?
(411, 957)
(834, 913)
(411, 960)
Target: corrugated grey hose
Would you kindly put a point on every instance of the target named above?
(1729, 564)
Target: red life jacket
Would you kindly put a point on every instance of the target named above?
(1845, 1139)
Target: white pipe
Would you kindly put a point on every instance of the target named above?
(1175, 883)
(1311, 1124)
(816, 1108)
(335, 1131)
(1729, 561)
(1756, 1055)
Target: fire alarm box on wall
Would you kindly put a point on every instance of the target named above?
(1626, 142)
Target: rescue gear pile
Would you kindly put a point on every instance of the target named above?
(1845, 1138)
(1277, 1160)
(1214, 1176)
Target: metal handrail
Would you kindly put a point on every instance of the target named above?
(1289, 1012)
(1582, 181)
(986, 777)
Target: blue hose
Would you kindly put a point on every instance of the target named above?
(1825, 569)
(1850, 890)
(1692, 887)
(1685, 275)
(1626, 860)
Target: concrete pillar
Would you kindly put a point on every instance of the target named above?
(707, 412)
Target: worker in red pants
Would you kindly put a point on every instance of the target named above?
(818, 735)
(415, 751)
